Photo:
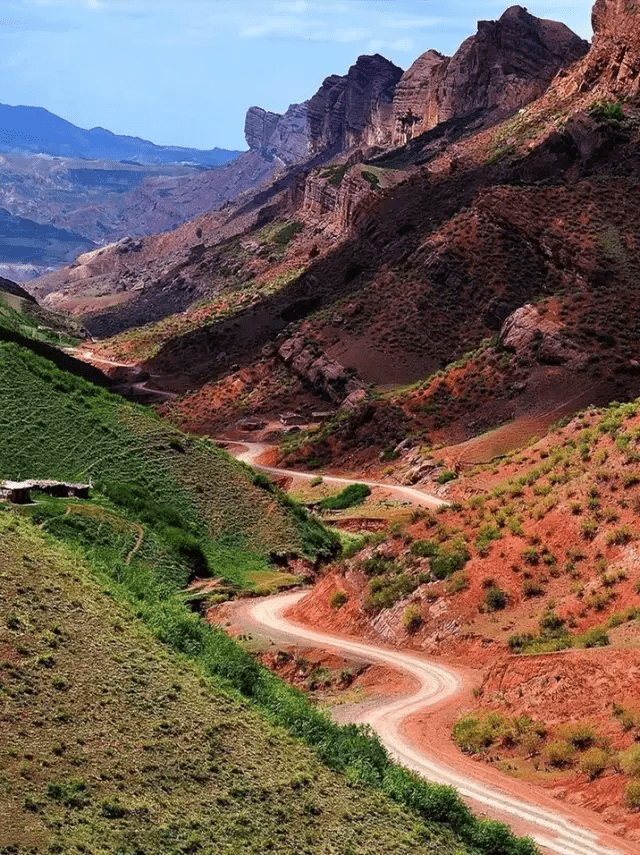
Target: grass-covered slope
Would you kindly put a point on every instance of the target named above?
(109, 743)
(53, 424)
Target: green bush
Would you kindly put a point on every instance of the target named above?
(445, 476)
(447, 561)
(495, 599)
(412, 619)
(531, 588)
(595, 637)
(630, 761)
(354, 494)
(632, 795)
(580, 735)
(607, 111)
(423, 548)
(337, 599)
(593, 762)
(559, 753)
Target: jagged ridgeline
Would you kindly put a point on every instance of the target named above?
(206, 513)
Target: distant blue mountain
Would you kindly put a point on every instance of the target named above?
(37, 131)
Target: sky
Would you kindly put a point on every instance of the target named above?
(184, 72)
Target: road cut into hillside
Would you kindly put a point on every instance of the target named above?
(255, 450)
(561, 831)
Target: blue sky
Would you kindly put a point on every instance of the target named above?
(184, 72)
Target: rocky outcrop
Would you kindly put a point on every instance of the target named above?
(507, 63)
(355, 109)
(414, 106)
(327, 376)
(535, 336)
(278, 135)
(612, 66)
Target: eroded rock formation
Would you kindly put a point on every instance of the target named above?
(278, 135)
(612, 66)
(506, 64)
(355, 109)
(326, 376)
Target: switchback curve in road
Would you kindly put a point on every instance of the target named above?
(550, 829)
(256, 449)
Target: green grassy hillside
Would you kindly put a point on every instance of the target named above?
(53, 424)
(109, 743)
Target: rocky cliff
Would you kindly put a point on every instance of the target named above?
(278, 135)
(612, 66)
(355, 109)
(505, 65)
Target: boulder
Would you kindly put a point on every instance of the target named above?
(534, 336)
(327, 376)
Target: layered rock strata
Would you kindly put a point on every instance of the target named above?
(278, 135)
(355, 109)
(507, 64)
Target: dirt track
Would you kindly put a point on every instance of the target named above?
(256, 449)
(563, 832)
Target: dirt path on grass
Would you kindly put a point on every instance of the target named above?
(93, 359)
(253, 451)
(412, 729)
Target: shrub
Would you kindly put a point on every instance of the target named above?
(531, 588)
(354, 494)
(619, 536)
(595, 637)
(607, 111)
(457, 582)
(632, 795)
(593, 762)
(423, 548)
(551, 624)
(630, 761)
(412, 619)
(445, 476)
(495, 599)
(337, 599)
(530, 555)
(589, 529)
(487, 534)
(580, 735)
(316, 481)
(286, 233)
(447, 561)
(559, 753)
(520, 642)
(474, 733)
(372, 178)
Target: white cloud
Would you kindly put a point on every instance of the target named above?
(401, 45)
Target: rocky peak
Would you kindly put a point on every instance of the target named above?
(278, 135)
(355, 109)
(507, 63)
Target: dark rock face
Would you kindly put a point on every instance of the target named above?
(504, 66)
(355, 109)
(278, 135)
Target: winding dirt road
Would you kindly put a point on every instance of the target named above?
(256, 449)
(553, 831)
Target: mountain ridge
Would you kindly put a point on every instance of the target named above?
(38, 130)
